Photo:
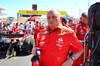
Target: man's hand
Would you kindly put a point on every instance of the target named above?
(33, 51)
(68, 62)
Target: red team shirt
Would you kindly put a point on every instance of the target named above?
(81, 30)
(15, 28)
(55, 45)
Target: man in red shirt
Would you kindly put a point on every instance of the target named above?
(41, 26)
(82, 27)
(71, 24)
(36, 30)
(80, 30)
(56, 41)
(16, 28)
(64, 22)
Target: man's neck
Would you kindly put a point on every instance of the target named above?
(54, 27)
(83, 23)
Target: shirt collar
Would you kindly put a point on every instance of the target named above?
(60, 26)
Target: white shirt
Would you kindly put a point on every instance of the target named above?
(30, 26)
(21, 27)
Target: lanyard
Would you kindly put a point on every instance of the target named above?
(52, 30)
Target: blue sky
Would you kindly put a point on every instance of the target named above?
(72, 7)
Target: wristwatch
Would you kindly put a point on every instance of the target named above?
(73, 58)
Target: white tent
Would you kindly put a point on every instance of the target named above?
(2, 14)
(1, 8)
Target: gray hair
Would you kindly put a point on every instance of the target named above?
(56, 11)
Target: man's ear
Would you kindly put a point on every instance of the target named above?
(61, 18)
(80, 18)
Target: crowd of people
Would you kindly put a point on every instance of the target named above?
(16, 27)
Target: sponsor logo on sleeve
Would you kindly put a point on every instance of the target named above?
(43, 37)
(45, 32)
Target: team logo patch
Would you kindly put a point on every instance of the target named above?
(60, 39)
(43, 37)
(80, 27)
(62, 32)
(81, 30)
(45, 32)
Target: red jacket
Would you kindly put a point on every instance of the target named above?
(55, 45)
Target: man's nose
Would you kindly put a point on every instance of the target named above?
(51, 18)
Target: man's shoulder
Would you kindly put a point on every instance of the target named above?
(67, 30)
(63, 28)
(78, 24)
(43, 30)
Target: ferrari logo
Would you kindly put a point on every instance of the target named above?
(43, 37)
(62, 32)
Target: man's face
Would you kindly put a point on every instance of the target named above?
(37, 23)
(84, 20)
(70, 23)
(63, 23)
(53, 19)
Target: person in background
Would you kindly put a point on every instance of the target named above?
(21, 26)
(8, 27)
(29, 27)
(25, 25)
(0, 25)
(71, 24)
(4, 27)
(41, 26)
(1, 38)
(81, 28)
(33, 28)
(11, 24)
(55, 42)
(64, 22)
(9, 30)
(36, 30)
(16, 28)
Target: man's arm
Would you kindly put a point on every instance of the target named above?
(33, 51)
(69, 61)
